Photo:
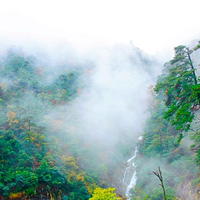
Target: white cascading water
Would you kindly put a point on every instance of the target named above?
(132, 165)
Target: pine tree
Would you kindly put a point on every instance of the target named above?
(179, 84)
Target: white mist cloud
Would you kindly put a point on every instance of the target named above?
(151, 25)
(115, 103)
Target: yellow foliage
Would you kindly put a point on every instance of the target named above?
(15, 121)
(71, 175)
(10, 115)
(73, 171)
(104, 194)
(37, 145)
(41, 136)
(48, 153)
(80, 177)
(51, 163)
(69, 161)
(15, 195)
(90, 187)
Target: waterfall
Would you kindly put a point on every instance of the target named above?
(132, 165)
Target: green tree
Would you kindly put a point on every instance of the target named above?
(179, 84)
(158, 137)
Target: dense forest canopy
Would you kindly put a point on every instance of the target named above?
(57, 140)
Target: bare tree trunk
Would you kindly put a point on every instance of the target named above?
(159, 175)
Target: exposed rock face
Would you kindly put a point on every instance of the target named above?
(185, 191)
(197, 197)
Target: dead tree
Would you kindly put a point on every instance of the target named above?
(159, 175)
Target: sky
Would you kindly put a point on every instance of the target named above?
(153, 26)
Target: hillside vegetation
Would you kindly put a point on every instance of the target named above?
(171, 137)
(44, 156)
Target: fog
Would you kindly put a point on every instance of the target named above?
(116, 80)
(116, 51)
(113, 104)
(101, 125)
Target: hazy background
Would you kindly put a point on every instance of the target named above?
(152, 26)
(108, 38)
(120, 46)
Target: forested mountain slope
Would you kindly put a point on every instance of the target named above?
(171, 136)
(67, 130)
(52, 145)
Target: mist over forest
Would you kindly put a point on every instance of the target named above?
(99, 100)
(98, 124)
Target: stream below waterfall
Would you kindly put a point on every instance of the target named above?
(131, 171)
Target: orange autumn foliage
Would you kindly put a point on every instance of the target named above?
(15, 195)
